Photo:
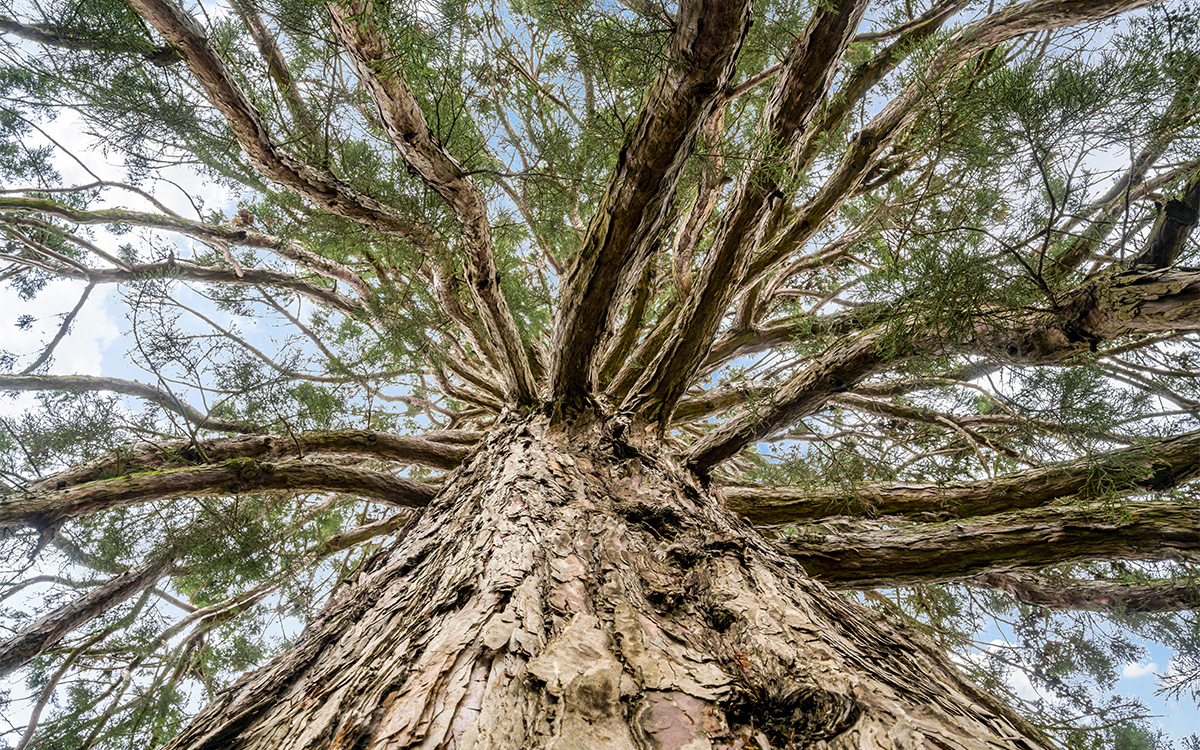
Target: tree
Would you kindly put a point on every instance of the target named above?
(578, 374)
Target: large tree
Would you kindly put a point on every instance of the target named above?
(598, 376)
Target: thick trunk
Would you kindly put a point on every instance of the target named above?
(568, 590)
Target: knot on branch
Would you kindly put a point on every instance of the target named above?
(247, 471)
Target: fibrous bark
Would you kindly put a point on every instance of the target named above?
(570, 590)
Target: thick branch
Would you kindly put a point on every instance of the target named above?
(836, 371)
(799, 89)
(1175, 223)
(231, 477)
(1166, 595)
(363, 444)
(871, 142)
(1134, 301)
(43, 634)
(904, 555)
(1145, 468)
(125, 387)
(184, 34)
(409, 131)
(701, 54)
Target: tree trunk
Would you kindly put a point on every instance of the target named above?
(570, 590)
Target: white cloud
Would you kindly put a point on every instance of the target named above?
(1136, 669)
(82, 351)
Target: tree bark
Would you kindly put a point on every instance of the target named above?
(571, 590)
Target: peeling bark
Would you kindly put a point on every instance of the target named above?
(568, 590)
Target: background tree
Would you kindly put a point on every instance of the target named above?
(578, 374)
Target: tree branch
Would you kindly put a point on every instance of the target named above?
(701, 54)
(185, 35)
(1164, 595)
(799, 89)
(1152, 467)
(285, 248)
(34, 640)
(409, 131)
(231, 477)
(903, 555)
(834, 372)
(363, 444)
(124, 387)
(867, 146)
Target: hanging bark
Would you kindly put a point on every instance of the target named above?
(570, 590)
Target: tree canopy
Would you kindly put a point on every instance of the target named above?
(913, 285)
